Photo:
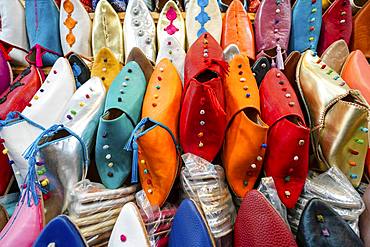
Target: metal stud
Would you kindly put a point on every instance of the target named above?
(150, 191)
(110, 164)
(108, 156)
(242, 79)
(301, 142)
(287, 193)
(296, 158)
(259, 158)
(202, 123)
(200, 144)
(291, 103)
(254, 166)
(105, 147)
(287, 95)
(277, 11)
(202, 112)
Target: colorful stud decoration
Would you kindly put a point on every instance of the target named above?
(142, 162)
(245, 87)
(82, 104)
(242, 79)
(200, 134)
(154, 104)
(146, 171)
(291, 103)
(288, 95)
(245, 183)
(73, 112)
(320, 218)
(110, 174)
(5, 151)
(202, 112)
(36, 97)
(359, 141)
(124, 84)
(287, 193)
(158, 87)
(259, 158)
(150, 191)
(248, 95)
(161, 69)
(264, 145)
(277, 11)
(110, 164)
(353, 176)
(254, 166)
(354, 152)
(342, 21)
(123, 238)
(108, 156)
(200, 144)
(202, 123)
(363, 129)
(325, 232)
(301, 142)
(69, 117)
(352, 163)
(296, 158)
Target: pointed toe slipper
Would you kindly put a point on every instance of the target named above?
(121, 114)
(287, 153)
(75, 28)
(106, 23)
(154, 140)
(106, 66)
(246, 134)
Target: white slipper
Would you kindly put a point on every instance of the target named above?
(75, 28)
(139, 29)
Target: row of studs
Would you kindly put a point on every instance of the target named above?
(320, 218)
(106, 147)
(73, 112)
(311, 39)
(259, 158)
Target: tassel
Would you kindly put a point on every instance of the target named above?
(273, 64)
(39, 63)
(135, 157)
(279, 58)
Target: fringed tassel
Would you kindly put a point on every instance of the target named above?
(273, 64)
(279, 58)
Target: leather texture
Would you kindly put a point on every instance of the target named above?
(139, 57)
(335, 55)
(321, 226)
(171, 24)
(121, 114)
(45, 108)
(265, 226)
(361, 31)
(238, 29)
(172, 49)
(260, 68)
(365, 218)
(356, 73)
(287, 154)
(205, 16)
(63, 162)
(290, 68)
(75, 28)
(62, 232)
(20, 92)
(189, 221)
(13, 30)
(225, 4)
(272, 29)
(107, 31)
(42, 24)
(203, 117)
(106, 67)
(139, 29)
(4, 217)
(6, 72)
(25, 219)
(118, 5)
(306, 25)
(246, 134)
(338, 116)
(80, 69)
(158, 158)
(129, 229)
(336, 24)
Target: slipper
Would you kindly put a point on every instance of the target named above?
(335, 55)
(145, 64)
(75, 28)
(121, 114)
(154, 139)
(361, 30)
(139, 29)
(107, 31)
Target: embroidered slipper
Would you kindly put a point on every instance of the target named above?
(107, 31)
(42, 24)
(335, 104)
(121, 114)
(204, 17)
(272, 30)
(75, 28)
(154, 139)
(287, 153)
(171, 24)
(139, 29)
(260, 68)
(60, 232)
(171, 49)
(129, 229)
(336, 24)
(106, 66)
(13, 34)
(238, 30)
(306, 25)
(246, 134)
